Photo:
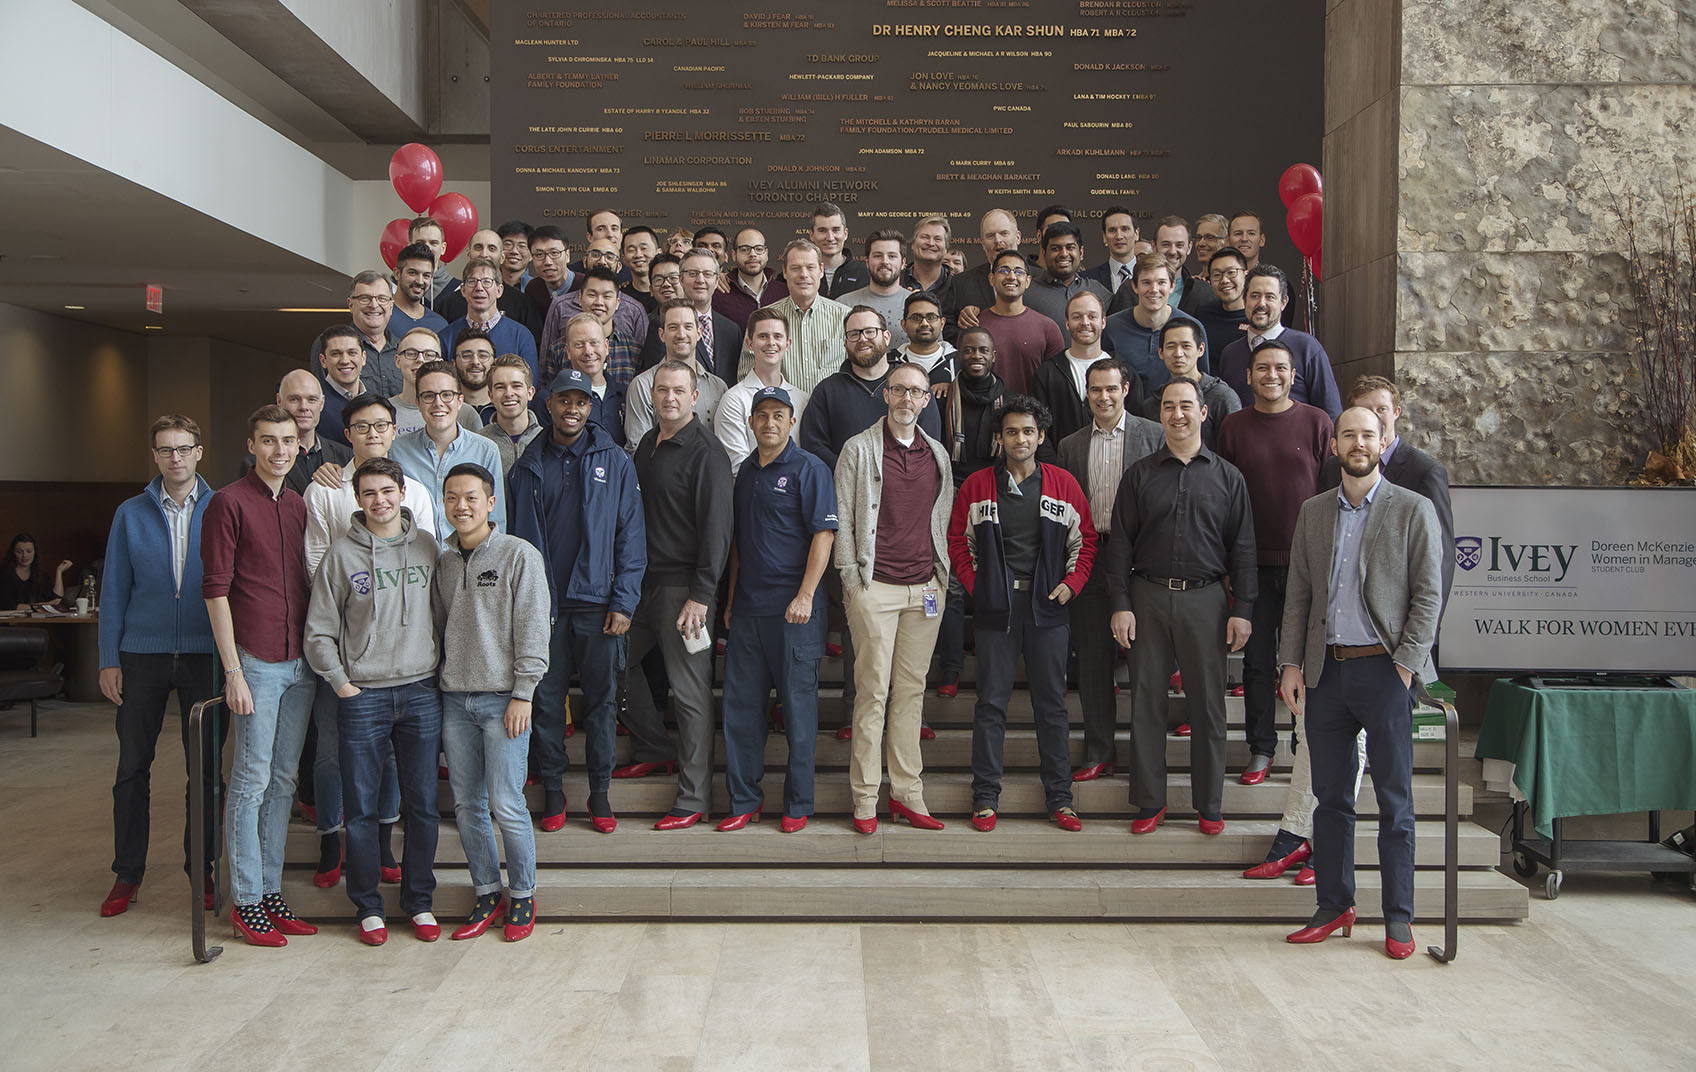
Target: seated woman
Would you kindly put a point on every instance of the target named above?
(21, 580)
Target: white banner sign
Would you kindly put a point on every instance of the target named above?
(1572, 579)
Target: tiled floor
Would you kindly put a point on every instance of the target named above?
(1603, 978)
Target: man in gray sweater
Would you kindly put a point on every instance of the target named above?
(370, 636)
(490, 601)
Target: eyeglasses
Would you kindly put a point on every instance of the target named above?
(862, 333)
(431, 397)
(605, 255)
(1226, 273)
(669, 279)
(700, 273)
(908, 392)
(367, 427)
(480, 284)
(925, 318)
(165, 454)
(420, 355)
(372, 299)
(1011, 271)
(750, 249)
(547, 254)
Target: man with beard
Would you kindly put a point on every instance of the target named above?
(473, 353)
(1061, 278)
(974, 290)
(1181, 343)
(749, 285)
(1360, 616)
(838, 272)
(1224, 318)
(1062, 382)
(415, 266)
(846, 404)
(1266, 292)
(885, 262)
(1024, 339)
(922, 317)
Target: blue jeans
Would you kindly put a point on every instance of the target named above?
(408, 717)
(263, 767)
(486, 770)
(762, 653)
(327, 768)
(577, 646)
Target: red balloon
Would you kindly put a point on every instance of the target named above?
(1317, 258)
(1299, 180)
(393, 240)
(1306, 223)
(416, 173)
(458, 217)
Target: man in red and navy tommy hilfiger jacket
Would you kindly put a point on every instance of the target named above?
(1022, 543)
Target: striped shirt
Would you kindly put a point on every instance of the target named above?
(178, 519)
(816, 347)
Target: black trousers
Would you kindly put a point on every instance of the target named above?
(149, 681)
(1189, 627)
(1097, 660)
(1260, 662)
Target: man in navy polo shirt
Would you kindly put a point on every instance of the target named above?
(785, 504)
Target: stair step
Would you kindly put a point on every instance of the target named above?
(881, 895)
(832, 842)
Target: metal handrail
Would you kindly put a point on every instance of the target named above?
(197, 832)
(1445, 953)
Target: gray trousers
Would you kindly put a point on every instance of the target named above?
(1188, 626)
(1097, 660)
(655, 624)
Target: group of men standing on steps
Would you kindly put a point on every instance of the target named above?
(915, 479)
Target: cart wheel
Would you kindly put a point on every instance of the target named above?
(1523, 865)
(1552, 885)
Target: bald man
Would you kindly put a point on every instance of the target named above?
(997, 231)
(302, 394)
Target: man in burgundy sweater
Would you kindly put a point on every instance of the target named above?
(1280, 445)
(253, 554)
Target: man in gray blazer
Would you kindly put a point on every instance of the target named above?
(1098, 455)
(1360, 615)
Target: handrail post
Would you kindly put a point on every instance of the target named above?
(1445, 953)
(197, 830)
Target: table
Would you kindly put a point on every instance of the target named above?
(81, 654)
(1580, 748)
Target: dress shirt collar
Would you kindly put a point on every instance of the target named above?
(1377, 481)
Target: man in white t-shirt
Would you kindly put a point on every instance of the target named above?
(768, 337)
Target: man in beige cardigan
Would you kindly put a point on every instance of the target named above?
(894, 492)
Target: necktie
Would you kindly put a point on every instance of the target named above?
(706, 322)
(1124, 277)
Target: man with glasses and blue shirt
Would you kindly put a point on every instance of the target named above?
(417, 348)
(429, 453)
(482, 289)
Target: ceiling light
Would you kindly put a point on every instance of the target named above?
(152, 327)
(74, 307)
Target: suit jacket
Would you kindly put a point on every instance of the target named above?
(1415, 470)
(1401, 574)
(1103, 274)
(720, 359)
(1142, 438)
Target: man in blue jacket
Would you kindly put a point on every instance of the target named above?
(573, 494)
(153, 641)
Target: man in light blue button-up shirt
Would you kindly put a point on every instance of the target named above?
(427, 454)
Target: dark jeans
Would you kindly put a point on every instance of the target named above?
(1349, 696)
(1098, 659)
(1045, 649)
(577, 646)
(410, 718)
(1189, 627)
(1260, 663)
(763, 653)
(951, 636)
(149, 681)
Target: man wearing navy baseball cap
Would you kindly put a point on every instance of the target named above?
(785, 527)
(573, 494)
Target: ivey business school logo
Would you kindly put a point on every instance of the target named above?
(1518, 563)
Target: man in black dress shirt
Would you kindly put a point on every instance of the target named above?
(1181, 526)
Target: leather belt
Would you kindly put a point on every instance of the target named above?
(1344, 652)
(1176, 584)
(1021, 586)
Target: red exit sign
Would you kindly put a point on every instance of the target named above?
(155, 298)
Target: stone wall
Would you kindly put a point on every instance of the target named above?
(1513, 127)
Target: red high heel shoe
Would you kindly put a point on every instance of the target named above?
(1314, 935)
(119, 900)
(737, 822)
(475, 926)
(918, 820)
(1274, 868)
(259, 931)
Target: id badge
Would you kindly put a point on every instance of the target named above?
(930, 603)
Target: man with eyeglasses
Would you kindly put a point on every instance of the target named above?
(886, 259)
(599, 294)
(1223, 318)
(1211, 232)
(370, 301)
(514, 306)
(369, 423)
(300, 393)
(445, 440)
(602, 225)
(514, 236)
(718, 345)
(553, 279)
(923, 320)
(154, 642)
(749, 284)
(847, 403)
(482, 289)
(973, 288)
(680, 333)
(417, 348)
(473, 353)
(1024, 338)
(415, 266)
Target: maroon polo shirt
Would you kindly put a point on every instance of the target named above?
(253, 552)
(903, 553)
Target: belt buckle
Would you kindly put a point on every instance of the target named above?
(1176, 584)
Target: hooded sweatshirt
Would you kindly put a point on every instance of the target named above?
(369, 621)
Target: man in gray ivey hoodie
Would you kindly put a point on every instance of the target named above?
(490, 601)
(371, 636)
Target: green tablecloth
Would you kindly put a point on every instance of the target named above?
(1582, 751)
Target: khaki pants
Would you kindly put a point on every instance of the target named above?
(893, 642)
